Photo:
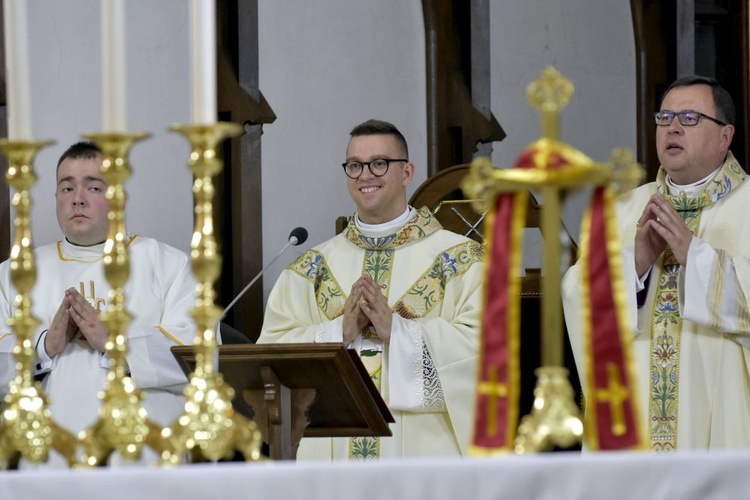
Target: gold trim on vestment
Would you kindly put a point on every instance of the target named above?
(63, 258)
(169, 335)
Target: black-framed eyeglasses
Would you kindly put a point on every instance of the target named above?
(687, 118)
(378, 167)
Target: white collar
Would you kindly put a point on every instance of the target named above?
(691, 189)
(386, 228)
(68, 251)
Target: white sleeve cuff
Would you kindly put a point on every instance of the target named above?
(106, 362)
(44, 363)
(405, 365)
(331, 331)
(641, 281)
(633, 285)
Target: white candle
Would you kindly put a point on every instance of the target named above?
(203, 60)
(17, 72)
(113, 65)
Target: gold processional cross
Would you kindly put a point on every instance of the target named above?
(554, 169)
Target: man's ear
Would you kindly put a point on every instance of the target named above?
(408, 172)
(726, 137)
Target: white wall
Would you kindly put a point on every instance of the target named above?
(65, 67)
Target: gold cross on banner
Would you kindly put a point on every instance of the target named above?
(493, 390)
(615, 394)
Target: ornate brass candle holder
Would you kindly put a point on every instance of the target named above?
(27, 429)
(209, 428)
(123, 424)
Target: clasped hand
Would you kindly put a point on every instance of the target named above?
(658, 227)
(75, 315)
(367, 304)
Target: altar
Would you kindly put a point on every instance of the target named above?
(687, 475)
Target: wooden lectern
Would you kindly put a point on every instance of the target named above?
(296, 390)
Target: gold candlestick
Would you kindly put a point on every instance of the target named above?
(27, 429)
(209, 428)
(123, 424)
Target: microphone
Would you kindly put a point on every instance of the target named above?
(296, 237)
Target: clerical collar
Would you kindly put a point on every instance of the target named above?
(386, 228)
(692, 189)
(84, 246)
(70, 252)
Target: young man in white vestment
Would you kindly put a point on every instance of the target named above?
(71, 290)
(686, 240)
(401, 291)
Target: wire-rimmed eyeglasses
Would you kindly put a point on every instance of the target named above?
(378, 167)
(687, 118)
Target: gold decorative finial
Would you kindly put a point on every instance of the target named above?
(627, 173)
(475, 186)
(26, 429)
(550, 94)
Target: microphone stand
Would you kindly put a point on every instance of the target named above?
(256, 278)
(297, 237)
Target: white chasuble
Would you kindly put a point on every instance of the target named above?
(159, 294)
(427, 373)
(693, 330)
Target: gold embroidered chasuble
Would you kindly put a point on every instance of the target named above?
(432, 284)
(692, 333)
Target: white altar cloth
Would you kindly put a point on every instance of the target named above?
(549, 476)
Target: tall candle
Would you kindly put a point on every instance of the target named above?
(113, 65)
(17, 72)
(203, 60)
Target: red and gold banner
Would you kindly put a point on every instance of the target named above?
(611, 403)
(496, 412)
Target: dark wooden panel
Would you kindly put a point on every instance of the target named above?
(454, 124)
(5, 215)
(239, 197)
